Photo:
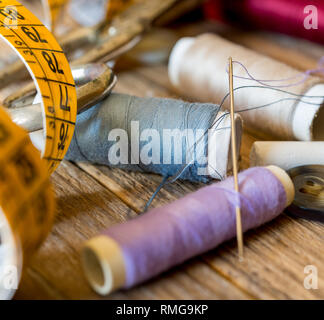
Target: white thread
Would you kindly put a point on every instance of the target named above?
(287, 154)
(197, 68)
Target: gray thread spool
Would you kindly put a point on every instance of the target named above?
(90, 141)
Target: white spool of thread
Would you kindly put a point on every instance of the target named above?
(197, 68)
(287, 154)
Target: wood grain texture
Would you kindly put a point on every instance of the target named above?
(91, 198)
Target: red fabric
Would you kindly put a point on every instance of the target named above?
(285, 16)
(213, 10)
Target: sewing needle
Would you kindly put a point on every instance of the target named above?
(239, 233)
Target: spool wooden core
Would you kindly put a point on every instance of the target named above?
(103, 263)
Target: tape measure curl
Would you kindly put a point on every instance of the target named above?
(27, 203)
(50, 70)
(26, 197)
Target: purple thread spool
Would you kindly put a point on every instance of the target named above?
(133, 252)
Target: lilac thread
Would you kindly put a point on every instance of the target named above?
(169, 235)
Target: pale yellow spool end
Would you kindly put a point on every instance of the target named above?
(286, 182)
(103, 264)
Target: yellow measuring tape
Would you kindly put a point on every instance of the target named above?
(51, 72)
(27, 203)
(26, 198)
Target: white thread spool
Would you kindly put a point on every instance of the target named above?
(287, 154)
(197, 68)
(219, 146)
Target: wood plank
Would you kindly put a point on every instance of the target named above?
(275, 258)
(85, 208)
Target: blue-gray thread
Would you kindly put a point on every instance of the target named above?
(174, 178)
(157, 190)
(169, 178)
(90, 141)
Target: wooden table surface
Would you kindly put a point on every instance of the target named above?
(91, 198)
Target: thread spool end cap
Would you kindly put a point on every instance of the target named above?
(103, 264)
(286, 181)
